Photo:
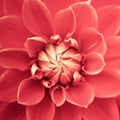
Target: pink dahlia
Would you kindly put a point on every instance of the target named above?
(62, 67)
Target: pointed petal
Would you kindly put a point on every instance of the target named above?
(14, 58)
(37, 17)
(106, 17)
(106, 84)
(30, 92)
(81, 95)
(86, 16)
(102, 109)
(93, 63)
(9, 82)
(12, 32)
(68, 112)
(61, 18)
(42, 111)
(13, 111)
(91, 40)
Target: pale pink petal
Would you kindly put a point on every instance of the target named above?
(12, 32)
(86, 16)
(14, 58)
(81, 95)
(106, 84)
(112, 57)
(58, 95)
(9, 82)
(30, 92)
(102, 109)
(68, 112)
(91, 40)
(109, 20)
(68, 26)
(13, 111)
(34, 45)
(42, 111)
(93, 63)
(37, 18)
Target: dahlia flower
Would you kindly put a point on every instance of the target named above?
(60, 63)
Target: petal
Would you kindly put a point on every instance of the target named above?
(34, 45)
(42, 111)
(13, 111)
(106, 17)
(68, 112)
(61, 18)
(106, 84)
(86, 16)
(58, 95)
(9, 82)
(2, 70)
(102, 109)
(81, 95)
(39, 23)
(30, 92)
(14, 58)
(12, 32)
(112, 56)
(1, 8)
(93, 63)
(91, 40)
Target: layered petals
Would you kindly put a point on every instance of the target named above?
(30, 92)
(106, 17)
(14, 58)
(81, 95)
(9, 82)
(42, 111)
(106, 83)
(37, 18)
(12, 32)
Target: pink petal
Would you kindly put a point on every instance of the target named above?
(61, 18)
(112, 57)
(68, 112)
(34, 45)
(102, 109)
(30, 92)
(58, 95)
(42, 111)
(106, 84)
(106, 17)
(9, 82)
(91, 40)
(37, 18)
(12, 32)
(14, 58)
(81, 95)
(86, 16)
(13, 111)
(93, 63)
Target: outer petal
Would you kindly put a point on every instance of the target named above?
(102, 109)
(61, 18)
(68, 112)
(106, 17)
(86, 16)
(12, 32)
(43, 111)
(13, 111)
(112, 57)
(106, 84)
(30, 92)
(2, 70)
(37, 18)
(9, 82)
(1, 8)
(14, 58)
(81, 95)
(91, 40)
